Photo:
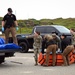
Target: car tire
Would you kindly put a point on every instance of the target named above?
(2, 59)
(24, 47)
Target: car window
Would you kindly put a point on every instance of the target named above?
(63, 29)
(49, 29)
(40, 29)
(45, 29)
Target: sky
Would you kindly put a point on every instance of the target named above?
(39, 9)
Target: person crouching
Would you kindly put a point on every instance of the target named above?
(65, 53)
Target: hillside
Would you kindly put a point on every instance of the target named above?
(25, 26)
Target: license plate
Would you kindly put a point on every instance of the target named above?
(2, 54)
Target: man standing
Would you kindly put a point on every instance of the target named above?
(36, 45)
(8, 26)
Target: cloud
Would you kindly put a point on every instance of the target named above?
(39, 9)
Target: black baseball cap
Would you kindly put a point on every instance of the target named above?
(63, 35)
(10, 10)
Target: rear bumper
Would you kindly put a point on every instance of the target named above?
(9, 50)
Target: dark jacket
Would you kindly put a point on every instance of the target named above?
(46, 43)
(64, 43)
(9, 20)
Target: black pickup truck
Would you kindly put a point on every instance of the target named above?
(27, 43)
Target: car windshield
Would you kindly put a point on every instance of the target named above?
(63, 29)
